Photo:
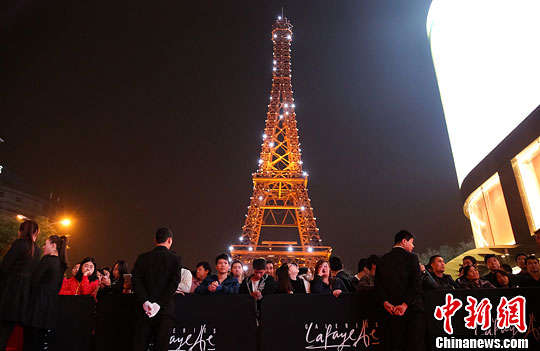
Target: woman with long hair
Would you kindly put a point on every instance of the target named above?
(114, 284)
(85, 282)
(284, 285)
(298, 283)
(15, 271)
(323, 283)
(45, 284)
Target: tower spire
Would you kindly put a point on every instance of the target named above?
(280, 198)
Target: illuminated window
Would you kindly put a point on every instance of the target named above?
(527, 170)
(489, 218)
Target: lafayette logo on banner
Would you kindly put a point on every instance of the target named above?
(510, 313)
(339, 336)
(201, 338)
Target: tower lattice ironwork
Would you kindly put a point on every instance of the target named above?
(280, 195)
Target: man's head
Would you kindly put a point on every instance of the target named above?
(520, 260)
(371, 264)
(164, 237)
(437, 264)
(537, 237)
(269, 267)
(469, 261)
(362, 265)
(237, 269)
(335, 263)
(404, 239)
(202, 270)
(532, 265)
(259, 268)
(492, 262)
(222, 263)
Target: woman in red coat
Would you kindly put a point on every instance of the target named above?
(85, 282)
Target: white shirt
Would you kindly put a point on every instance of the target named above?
(185, 281)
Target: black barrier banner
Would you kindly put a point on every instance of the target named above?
(483, 319)
(202, 323)
(206, 323)
(456, 319)
(316, 322)
(74, 325)
(115, 322)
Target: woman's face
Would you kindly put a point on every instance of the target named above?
(473, 274)
(293, 269)
(75, 269)
(237, 270)
(116, 272)
(502, 280)
(324, 269)
(49, 248)
(88, 267)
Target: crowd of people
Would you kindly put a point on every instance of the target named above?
(30, 284)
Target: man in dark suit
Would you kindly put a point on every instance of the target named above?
(156, 275)
(397, 283)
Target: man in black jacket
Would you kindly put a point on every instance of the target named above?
(397, 284)
(439, 279)
(336, 266)
(493, 264)
(156, 275)
(259, 284)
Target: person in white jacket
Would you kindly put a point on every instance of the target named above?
(186, 279)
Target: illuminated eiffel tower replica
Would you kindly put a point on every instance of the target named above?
(280, 197)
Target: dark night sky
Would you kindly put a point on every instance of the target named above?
(143, 114)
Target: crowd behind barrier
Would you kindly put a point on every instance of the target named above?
(287, 322)
(398, 299)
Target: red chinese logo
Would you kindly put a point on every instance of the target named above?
(447, 311)
(479, 313)
(511, 313)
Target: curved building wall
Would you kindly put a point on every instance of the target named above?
(504, 162)
(487, 60)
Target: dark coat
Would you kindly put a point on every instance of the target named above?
(229, 286)
(266, 286)
(397, 279)
(480, 284)
(15, 272)
(526, 280)
(319, 287)
(431, 281)
(155, 277)
(492, 278)
(45, 285)
(346, 281)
